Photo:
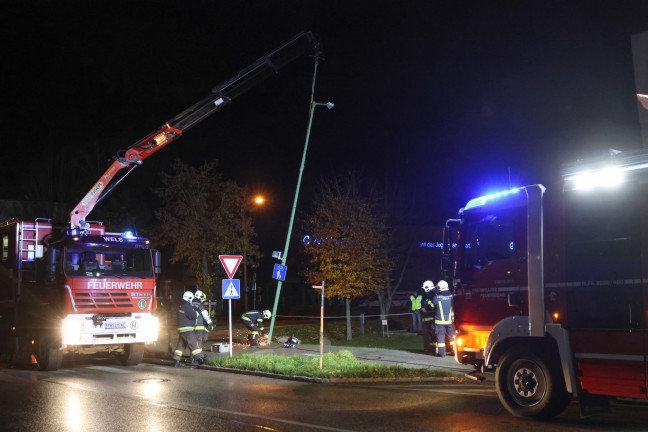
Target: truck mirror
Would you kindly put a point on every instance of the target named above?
(157, 262)
(51, 260)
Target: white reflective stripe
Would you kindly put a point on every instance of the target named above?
(71, 297)
(563, 284)
(605, 356)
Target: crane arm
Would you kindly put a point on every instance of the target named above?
(173, 129)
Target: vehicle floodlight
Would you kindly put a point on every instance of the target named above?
(608, 178)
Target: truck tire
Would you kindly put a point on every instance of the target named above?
(50, 359)
(133, 354)
(530, 386)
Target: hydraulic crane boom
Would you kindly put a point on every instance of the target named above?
(173, 129)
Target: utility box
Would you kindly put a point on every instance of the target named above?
(220, 347)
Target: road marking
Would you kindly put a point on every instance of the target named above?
(109, 369)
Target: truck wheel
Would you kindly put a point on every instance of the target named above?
(529, 386)
(133, 354)
(50, 359)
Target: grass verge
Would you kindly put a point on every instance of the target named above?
(342, 364)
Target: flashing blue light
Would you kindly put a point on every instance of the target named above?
(482, 200)
(129, 235)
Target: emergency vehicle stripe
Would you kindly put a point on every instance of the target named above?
(565, 284)
(600, 356)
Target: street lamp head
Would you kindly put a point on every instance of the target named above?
(328, 105)
(259, 200)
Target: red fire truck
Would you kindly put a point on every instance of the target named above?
(76, 288)
(551, 287)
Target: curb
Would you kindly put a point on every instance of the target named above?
(453, 379)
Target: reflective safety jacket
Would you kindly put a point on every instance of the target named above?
(443, 308)
(254, 316)
(201, 315)
(416, 302)
(186, 317)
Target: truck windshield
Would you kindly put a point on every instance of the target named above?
(487, 238)
(86, 262)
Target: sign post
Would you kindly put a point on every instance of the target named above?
(321, 323)
(231, 287)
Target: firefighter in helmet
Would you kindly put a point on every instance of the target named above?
(187, 316)
(203, 321)
(253, 320)
(443, 317)
(427, 317)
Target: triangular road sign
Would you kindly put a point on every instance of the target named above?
(230, 263)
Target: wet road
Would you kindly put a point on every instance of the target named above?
(103, 396)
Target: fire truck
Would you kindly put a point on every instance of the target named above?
(76, 287)
(551, 287)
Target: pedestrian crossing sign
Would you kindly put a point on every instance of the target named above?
(231, 289)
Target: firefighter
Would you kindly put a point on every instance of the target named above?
(187, 315)
(427, 317)
(253, 320)
(443, 317)
(203, 322)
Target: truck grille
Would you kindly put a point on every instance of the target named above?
(111, 300)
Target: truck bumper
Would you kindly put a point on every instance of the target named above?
(88, 329)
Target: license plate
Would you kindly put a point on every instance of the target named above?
(114, 325)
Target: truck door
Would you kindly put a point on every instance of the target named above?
(605, 284)
(492, 263)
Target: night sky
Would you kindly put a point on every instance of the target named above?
(449, 99)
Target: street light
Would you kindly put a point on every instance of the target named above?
(313, 104)
(258, 201)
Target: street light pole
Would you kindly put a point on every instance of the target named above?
(313, 104)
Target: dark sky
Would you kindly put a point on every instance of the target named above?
(450, 99)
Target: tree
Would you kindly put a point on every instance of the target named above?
(348, 242)
(202, 217)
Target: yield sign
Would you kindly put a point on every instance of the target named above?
(230, 263)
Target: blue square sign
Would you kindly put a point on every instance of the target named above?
(231, 289)
(279, 272)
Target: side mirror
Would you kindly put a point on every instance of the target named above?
(157, 262)
(51, 260)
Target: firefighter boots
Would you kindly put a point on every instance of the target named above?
(253, 339)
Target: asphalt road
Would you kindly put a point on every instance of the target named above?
(103, 396)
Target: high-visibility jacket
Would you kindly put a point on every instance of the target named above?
(443, 308)
(416, 302)
(255, 317)
(186, 317)
(203, 321)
